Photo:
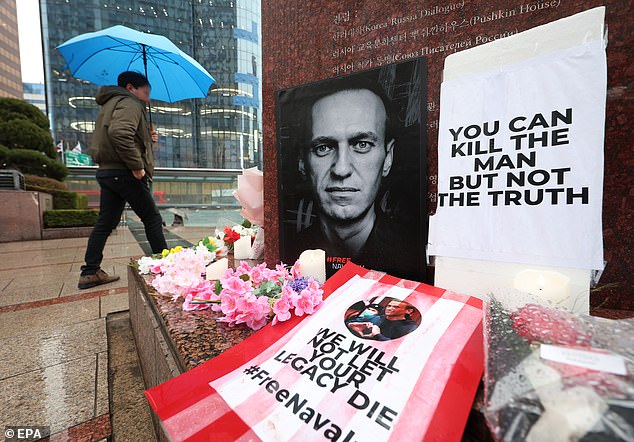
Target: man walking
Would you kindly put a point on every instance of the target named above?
(122, 146)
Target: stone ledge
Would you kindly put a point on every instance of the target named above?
(66, 232)
(21, 214)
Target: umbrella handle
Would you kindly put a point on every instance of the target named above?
(150, 117)
(150, 102)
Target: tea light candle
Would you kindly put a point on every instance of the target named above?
(217, 269)
(547, 285)
(242, 248)
(313, 263)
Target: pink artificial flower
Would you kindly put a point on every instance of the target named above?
(314, 286)
(255, 311)
(229, 318)
(157, 267)
(228, 303)
(188, 306)
(229, 273)
(295, 270)
(281, 272)
(243, 268)
(281, 309)
(235, 285)
(309, 299)
(288, 292)
(258, 273)
(257, 323)
(204, 291)
(243, 303)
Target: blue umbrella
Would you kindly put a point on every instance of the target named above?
(99, 57)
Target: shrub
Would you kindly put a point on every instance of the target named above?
(43, 182)
(12, 109)
(32, 162)
(70, 218)
(24, 134)
(64, 200)
(82, 200)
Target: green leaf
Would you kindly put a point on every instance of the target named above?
(268, 288)
(218, 287)
(207, 243)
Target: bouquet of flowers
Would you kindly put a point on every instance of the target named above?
(553, 375)
(229, 235)
(252, 295)
(180, 268)
(247, 295)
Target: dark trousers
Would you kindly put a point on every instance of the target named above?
(117, 187)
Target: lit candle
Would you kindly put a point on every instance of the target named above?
(547, 285)
(217, 270)
(242, 248)
(313, 263)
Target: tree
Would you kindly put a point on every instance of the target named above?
(32, 162)
(24, 134)
(12, 108)
(28, 145)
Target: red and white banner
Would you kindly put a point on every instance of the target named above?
(383, 358)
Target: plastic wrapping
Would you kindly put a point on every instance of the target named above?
(551, 375)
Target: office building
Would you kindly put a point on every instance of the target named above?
(34, 93)
(220, 131)
(10, 75)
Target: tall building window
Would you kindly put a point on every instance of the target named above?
(220, 131)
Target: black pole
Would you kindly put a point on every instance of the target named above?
(145, 67)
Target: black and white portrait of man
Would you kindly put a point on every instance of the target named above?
(352, 169)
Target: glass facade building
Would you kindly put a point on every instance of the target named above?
(34, 93)
(222, 131)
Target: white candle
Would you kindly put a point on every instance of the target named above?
(547, 285)
(242, 248)
(313, 263)
(217, 270)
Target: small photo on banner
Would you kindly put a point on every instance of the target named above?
(412, 375)
(382, 318)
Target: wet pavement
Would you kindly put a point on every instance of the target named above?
(59, 367)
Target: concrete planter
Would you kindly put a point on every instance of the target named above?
(66, 232)
(21, 214)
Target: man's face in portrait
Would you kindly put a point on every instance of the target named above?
(397, 310)
(348, 155)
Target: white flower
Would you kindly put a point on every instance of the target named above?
(244, 231)
(204, 252)
(145, 262)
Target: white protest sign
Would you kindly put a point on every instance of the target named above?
(520, 161)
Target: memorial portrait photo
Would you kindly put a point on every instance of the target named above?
(352, 169)
(382, 320)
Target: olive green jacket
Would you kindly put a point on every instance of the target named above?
(122, 138)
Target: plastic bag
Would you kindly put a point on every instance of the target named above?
(551, 375)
